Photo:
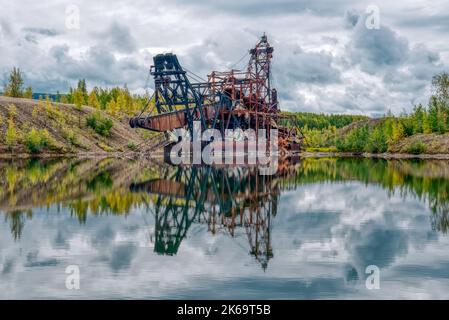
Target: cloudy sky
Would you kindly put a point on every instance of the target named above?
(326, 59)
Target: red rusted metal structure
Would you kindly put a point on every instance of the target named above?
(235, 201)
(235, 99)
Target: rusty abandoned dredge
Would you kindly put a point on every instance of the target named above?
(233, 200)
(235, 99)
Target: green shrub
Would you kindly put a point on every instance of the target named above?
(377, 142)
(321, 149)
(355, 141)
(132, 146)
(417, 147)
(11, 137)
(53, 113)
(70, 136)
(105, 147)
(36, 140)
(100, 124)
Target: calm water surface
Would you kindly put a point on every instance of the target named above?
(147, 230)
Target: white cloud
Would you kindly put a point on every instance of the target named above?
(322, 49)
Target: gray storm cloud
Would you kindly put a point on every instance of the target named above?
(325, 59)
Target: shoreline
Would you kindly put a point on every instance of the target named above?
(136, 155)
(79, 155)
(386, 155)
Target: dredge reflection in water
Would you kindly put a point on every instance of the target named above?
(227, 200)
(328, 212)
(237, 201)
(227, 197)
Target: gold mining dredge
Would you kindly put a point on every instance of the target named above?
(235, 99)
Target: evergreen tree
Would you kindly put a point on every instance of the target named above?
(433, 114)
(78, 99)
(70, 96)
(440, 86)
(11, 136)
(83, 89)
(15, 84)
(442, 117)
(418, 119)
(397, 131)
(426, 129)
(377, 141)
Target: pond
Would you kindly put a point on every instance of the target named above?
(320, 228)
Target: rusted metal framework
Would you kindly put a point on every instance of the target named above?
(235, 99)
(234, 201)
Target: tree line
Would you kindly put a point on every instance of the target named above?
(382, 135)
(116, 101)
(351, 133)
(322, 121)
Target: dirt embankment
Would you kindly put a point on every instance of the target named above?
(385, 155)
(426, 146)
(67, 128)
(432, 143)
(357, 124)
(69, 134)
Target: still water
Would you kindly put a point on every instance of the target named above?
(148, 230)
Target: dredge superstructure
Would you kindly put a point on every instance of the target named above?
(235, 99)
